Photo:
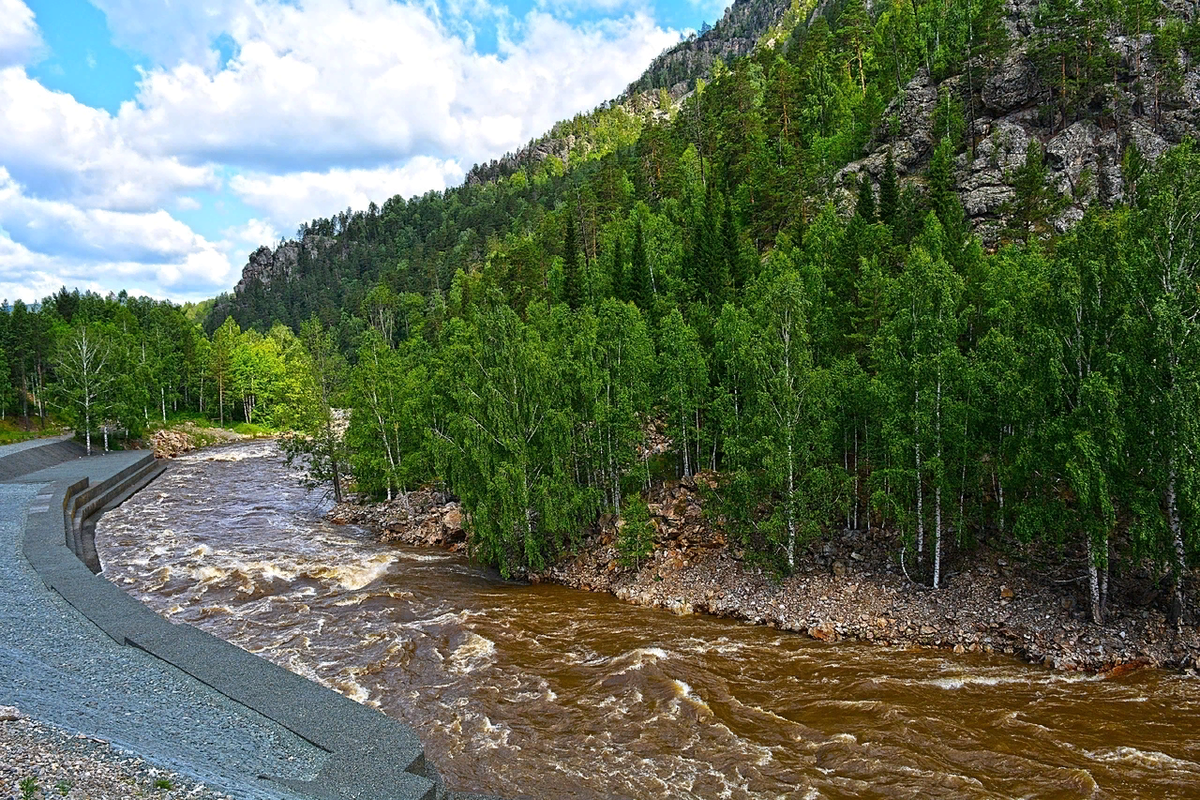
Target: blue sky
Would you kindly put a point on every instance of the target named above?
(151, 145)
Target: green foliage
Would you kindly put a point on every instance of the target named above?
(674, 294)
(317, 441)
(1072, 53)
(1034, 201)
(503, 440)
(635, 541)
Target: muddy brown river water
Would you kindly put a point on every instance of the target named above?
(557, 693)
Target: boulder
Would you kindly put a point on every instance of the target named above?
(1071, 152)
(452, 521)
(1014, 86)
(825, 632)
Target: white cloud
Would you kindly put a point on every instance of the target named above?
(369, 83)
(301, 196)
(169, 31)
(19, 38)
(324, 104)
(62, 149)
(252, 235)
(147, 248)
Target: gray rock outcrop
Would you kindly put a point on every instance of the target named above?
(266, 265)
(1013, 105)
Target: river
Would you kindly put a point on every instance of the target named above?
(557, 693)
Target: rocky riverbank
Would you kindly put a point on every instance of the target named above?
(852, 587)
(188, 436)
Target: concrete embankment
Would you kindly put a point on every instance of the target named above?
(103, 664)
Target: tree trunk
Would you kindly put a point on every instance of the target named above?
(1177, 604)
(1094, 582)
(920, 499)
(333, 461)
(791, 508)
(937, 494)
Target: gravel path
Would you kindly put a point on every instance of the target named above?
(56, 667)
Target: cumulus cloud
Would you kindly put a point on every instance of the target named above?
(320, 105)
(62, 149)
(299, 197)
(340, 84)
(142, 248)
(250, 236)
(170, 32)
(19, 38)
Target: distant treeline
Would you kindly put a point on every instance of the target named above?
(114, 364)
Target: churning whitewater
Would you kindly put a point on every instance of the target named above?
(553, 692)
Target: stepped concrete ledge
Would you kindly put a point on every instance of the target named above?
(256, 730)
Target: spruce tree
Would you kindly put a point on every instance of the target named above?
(943, 194)
(641, 286)
(865, 207)
(735, 265)
(571, 287)
(1034, 201)
(712, 260)
(620, 278)
(889, 191)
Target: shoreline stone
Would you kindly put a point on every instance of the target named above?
(851, 587)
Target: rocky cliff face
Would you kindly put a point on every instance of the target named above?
(1014, 105)
(266, 265)
(734, 35)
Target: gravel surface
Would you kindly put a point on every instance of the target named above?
(58, 668)
(43, 761)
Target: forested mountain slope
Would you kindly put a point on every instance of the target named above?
(993, 336)
(1038, 104)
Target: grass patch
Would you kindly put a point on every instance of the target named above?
(16, 429)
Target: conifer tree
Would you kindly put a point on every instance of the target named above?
(889, 192)
(572, 289)
(1034, 200)
(735, 265)
(865, 207)
(641, 289)
(620, 275)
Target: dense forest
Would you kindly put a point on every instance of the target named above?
(832, 350)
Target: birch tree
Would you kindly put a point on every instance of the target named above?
(84, 377)
(789, 410)
(1166, 266)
